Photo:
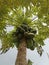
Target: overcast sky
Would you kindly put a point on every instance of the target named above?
(10, 57)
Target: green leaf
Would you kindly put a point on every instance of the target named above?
(12, 14)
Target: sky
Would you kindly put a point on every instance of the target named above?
(9, 58)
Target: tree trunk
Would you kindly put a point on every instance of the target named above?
(21, 57)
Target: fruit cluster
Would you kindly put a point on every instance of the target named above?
(25, 31)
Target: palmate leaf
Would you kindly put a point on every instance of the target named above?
(43, 33)
(12, 14)
(39, 40)
(30, 62)
(46, 19)
(15, 3)
(6, 42)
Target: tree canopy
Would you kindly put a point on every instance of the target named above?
(14, 12)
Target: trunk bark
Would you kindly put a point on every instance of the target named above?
(21, 56)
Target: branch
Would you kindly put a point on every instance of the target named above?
(29, 34)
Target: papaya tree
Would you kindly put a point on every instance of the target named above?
(30, 22)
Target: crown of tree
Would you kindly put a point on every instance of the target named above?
(29, 18)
